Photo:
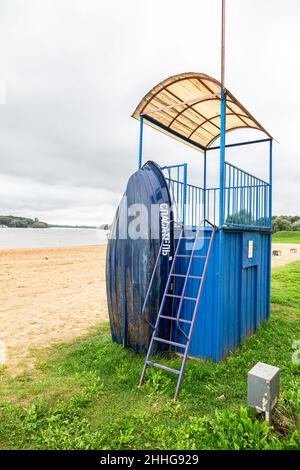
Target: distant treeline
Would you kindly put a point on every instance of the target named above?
(285, 223)
(25, 222)
(21, 222)
(72, 226)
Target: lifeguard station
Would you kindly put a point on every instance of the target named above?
(214, 288)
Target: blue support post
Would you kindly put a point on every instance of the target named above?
(222, 156)
(141, 142)
(184, 192)
(204, 187)
(270, 224)
(219, 322)
(240, 144)
(270, 181)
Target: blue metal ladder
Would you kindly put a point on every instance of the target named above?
(167, 294)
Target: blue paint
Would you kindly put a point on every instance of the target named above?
(236, 291)
(271, 181)
(222, 156)
(184, 192)
(171, 131)
(204, 184)
(244, 293)
(130, 262)
(141, 142)
(220, 249)
(240, 144)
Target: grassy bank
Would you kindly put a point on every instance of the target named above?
(286, 237)
(84, 394)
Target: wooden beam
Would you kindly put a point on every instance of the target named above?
(188, 103)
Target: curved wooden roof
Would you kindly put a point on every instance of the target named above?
(187, 107)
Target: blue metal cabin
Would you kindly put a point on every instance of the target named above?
(196, 109)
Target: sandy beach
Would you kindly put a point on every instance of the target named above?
(53, 295)
(48, 296)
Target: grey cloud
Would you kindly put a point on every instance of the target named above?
(74, 72)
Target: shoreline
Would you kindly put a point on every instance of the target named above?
(54, 248)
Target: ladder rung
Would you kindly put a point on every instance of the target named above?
(180, 296)
(161, 366)
(194, 238)
(167, 341)
(190, 276)
(189, 256)
(174, 319)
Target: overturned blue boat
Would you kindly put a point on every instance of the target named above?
(141, 223)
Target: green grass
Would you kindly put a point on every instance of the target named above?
(286, 237)
(84, 394)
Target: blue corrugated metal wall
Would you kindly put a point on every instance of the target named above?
(244, 289)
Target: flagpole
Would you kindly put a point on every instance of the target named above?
(223, 45)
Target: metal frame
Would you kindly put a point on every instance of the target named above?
(177, 135)
(224, 189)
(222, 157)
(240, 144)
(141, 142)
(171, 100)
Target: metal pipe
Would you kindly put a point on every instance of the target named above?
(222, 156)
(204, 186)
(141, 142)
(184, 193)
(223, 45)
(240, 144)
(270, 181)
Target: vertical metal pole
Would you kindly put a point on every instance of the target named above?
(219, 314)
(222, 155)
(270, 225)
(184, 192)
(223, 45)
(204, 186)
(270, 181)
(141, 142)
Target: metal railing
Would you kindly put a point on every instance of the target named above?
(246, 199)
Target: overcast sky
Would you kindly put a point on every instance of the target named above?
(74, 70)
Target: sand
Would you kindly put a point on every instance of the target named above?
(53, 295)
(286, 256)
(49, 296)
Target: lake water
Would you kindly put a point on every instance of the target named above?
(50, 237)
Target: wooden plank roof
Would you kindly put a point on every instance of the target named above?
(187, 107)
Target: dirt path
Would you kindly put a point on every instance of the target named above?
(286, 256)
(48, 296)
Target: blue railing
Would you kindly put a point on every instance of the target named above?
(246, 198)
(211, 209)
(188, 202)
